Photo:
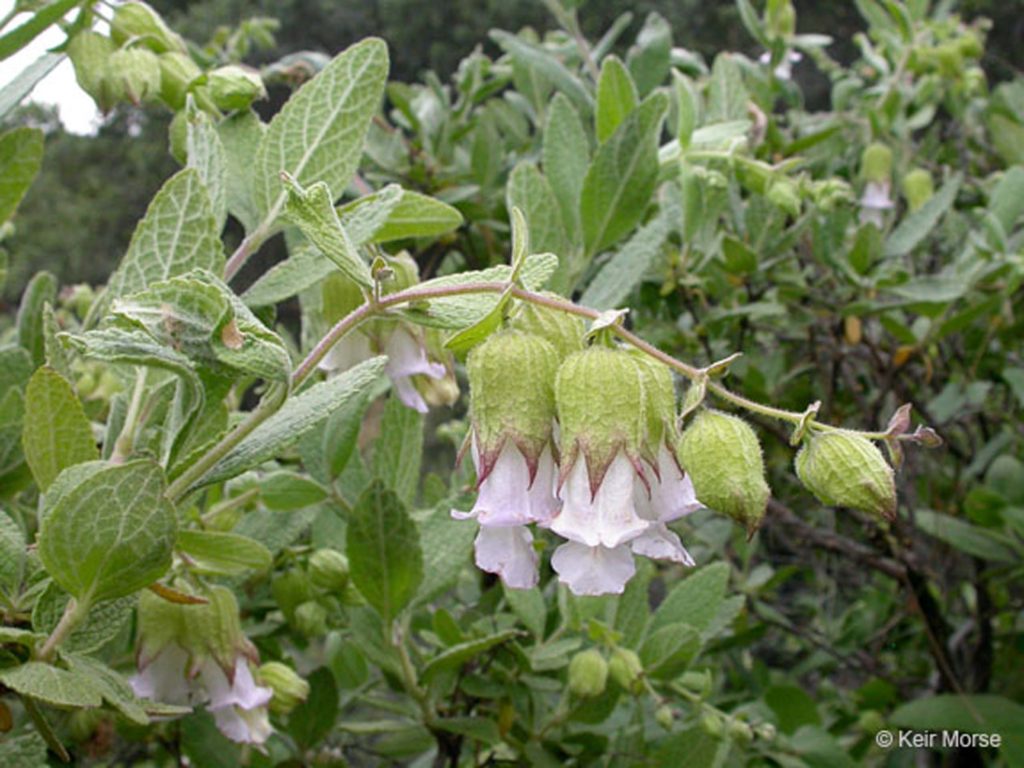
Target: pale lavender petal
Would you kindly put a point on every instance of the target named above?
(609, 517)
(164, 678)
(408, 394)
(407, 356)
(504, 497)
(593, 570)
(874, 201)
(543, 501)
(242, 692)
(347, 353)
(671, 495)
(659, 543)
(245, 726)
(509, 553)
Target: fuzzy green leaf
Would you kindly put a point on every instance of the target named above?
(111, 534)
(104, 622)
(51, 685)
(616, 97)
(223, 554)
(384, 551)
(318, 135)
(12, 555)
(694, 601)
(566, 155)
(207, 155)
(178, 234)
(399, 449)
(21, 155)
(56, 432)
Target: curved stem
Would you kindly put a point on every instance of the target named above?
(425, 293)
(74, 613)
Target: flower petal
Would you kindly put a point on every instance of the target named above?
(593, 570)
(607, 518)
(164, 678)
(509, 553)
(242, 692)
(407, 356)
(659, 543)
(350, 351)
(672, 495)
(245, 726)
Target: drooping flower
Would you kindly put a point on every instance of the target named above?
(876, 169)
(512, 420)
(197, 654)
(621, 405)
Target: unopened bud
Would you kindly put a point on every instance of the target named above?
(288, 687)
(876, 163)
(918, 188)
(328, 569)
(405, 272)
(780, 18)
(290, 590)
(765, 732)
(665, 717)
(563, 331)
(136, 20)
(843, 469)
(659, 402)
(89, 52)
(233, 87)
(588, 674)
(740, 731)
(627, 670)
(783, 194)
(133, 73)
(722, 455)
(311, 619)
(177, 137)
(177, 72)
(971, 45)
(712, 725)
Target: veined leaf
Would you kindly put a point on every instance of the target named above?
(23, 83)
(694, 601)
(545, 62)
(241, 135)
(52, 685)
(56, 433)
(313, 211)
(384, 551)
(364, 216)
(650, 59)
(25, 33)
(531, 193)
(41, 290)
(114, 689)
(447, 545)
(111, 534)
(622, 176)
(21, 155)
(207, 155)
(299, 414)
(178, 234)
(457, 655)
(626, 269)
(916, 227)
(399, 449)
(104, 622)
(223, 554)
(12, 555)
(417, 215)
(318, 135)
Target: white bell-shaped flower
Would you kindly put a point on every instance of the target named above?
(508, 552)
(606, 516)
(593, 570)
(407, 357)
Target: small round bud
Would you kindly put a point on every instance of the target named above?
(233, 87)
(133, 73)
(405, 272)
(627, 671)
(871, 721)
(588, 674)
(512, 393)
(600, 396)
(740, 731)
(290, 590)
(711, 723)
(784, 194)
(780, 18)
(766, 732)
(971, 45)
(289, 689)
(843, 469)
(722, 455)
(665, 717)
(563, 331)
(918, 188)
(328, 569)
(177, 73)
(136, 20)
(89, 52)
(876, 163)
(311, 619)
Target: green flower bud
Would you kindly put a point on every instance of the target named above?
(79, 298)
(588, 674)
(177, 72)
(160, 623)
(214, 630)
(722, 455)
(766, 732)
(712, 725)
(137, 20)
(843, 469)
(311, 619)
(950, 59)
(871, 721)
(876, 163)
(328, 569)
(89, 52)
(563, 331)
(234, 87)
(133, 73)
(780, 18)
(600, 397)
(971, 45)
(406, 272)
(740, 731)
(784, 195)
(503, 406)
(918, 188)
(290, 590)
(627, 671)
(665, 717)
(289, 689)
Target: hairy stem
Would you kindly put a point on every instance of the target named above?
(74, 614)
(126, 439)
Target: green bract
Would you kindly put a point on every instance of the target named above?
(562, 330)
(722, 456)
(846, 470)
(588, 674)
(512, 393)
